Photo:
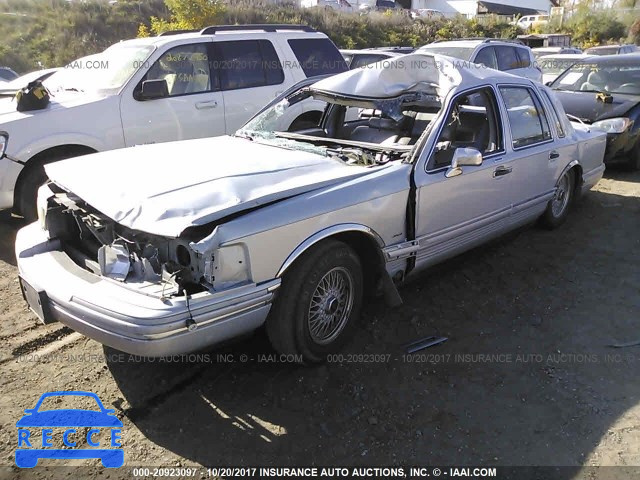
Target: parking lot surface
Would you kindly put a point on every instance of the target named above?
(528, 375)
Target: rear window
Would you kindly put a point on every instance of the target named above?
(317, 56)
(463, 53)
(602, 51)
(523, 56)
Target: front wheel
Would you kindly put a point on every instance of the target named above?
(633, 164)
(558, 207)
(318, 304)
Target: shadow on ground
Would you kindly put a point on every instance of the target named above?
(8, 229)
(526, 378)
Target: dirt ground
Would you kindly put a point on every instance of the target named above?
(527, 377)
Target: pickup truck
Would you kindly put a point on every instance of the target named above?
(177, 86)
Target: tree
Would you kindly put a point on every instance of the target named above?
(187, 15)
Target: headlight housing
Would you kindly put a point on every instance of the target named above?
(613, 125)
(228, 267)
(4, 140)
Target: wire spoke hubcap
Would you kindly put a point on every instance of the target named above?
(561, 197)
(330, 305)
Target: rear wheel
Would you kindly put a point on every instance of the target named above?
(318, 304)
(558, 207)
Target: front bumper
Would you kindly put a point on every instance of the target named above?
(129, 320)
(620, 145)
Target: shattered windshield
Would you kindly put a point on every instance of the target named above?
(358, 131)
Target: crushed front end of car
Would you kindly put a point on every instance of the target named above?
(137, 292)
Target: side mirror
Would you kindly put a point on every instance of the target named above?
(548, 84)
(152, 89)
(463, 157)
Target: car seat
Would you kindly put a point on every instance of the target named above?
(595, 81)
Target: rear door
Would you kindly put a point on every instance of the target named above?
(194, 107)
(486, 56)
(251, 75)
(533, 150)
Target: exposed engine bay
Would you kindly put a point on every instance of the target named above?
(106, 248)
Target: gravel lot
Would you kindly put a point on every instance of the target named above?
(527, 377)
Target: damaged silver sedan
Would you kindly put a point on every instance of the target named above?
(166, 249)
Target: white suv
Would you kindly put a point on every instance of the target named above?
(504, 55)
(179, 85)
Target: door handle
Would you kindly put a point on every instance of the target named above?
(209, 104)
(502, 170)
(553, 155)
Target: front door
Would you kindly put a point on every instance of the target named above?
(455, 213)
(194, 107)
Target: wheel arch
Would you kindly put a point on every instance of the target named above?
(367, 245)
(40, 157)
(576, 167)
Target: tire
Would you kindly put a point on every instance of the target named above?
(33, 177)
(633, 164)
(558, 207)
(308, 319)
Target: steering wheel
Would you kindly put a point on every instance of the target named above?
(633, 87)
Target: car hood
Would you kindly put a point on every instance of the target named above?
(61, 100)
(69, 418)
(588, 108)
(165, 188)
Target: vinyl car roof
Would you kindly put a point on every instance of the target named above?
(421, 71)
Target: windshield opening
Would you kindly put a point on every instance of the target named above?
(555, 66)
(354, 130)
(622, 77)
(108, 70)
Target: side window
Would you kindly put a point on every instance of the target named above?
(554, 115)
(526, 116)
(472, 122)
(524, 60)
(487, 57)
(248, 63)
(317, 56)
(185, 69)
(507, 58)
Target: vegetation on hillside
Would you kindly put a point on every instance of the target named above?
(48, 33)
(590, 27)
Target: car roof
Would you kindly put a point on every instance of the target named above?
(348, 51)
(566, 56)
(289, 31)
(423, 72)
(632, 58)
(601, 47)
(474, 42)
